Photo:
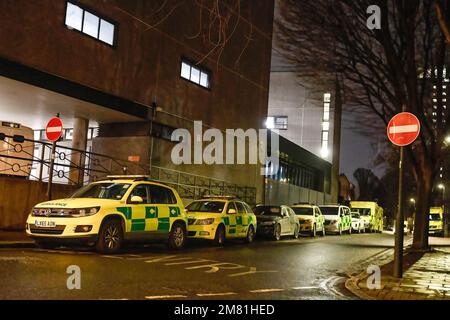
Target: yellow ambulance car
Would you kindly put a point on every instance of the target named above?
(109, 212)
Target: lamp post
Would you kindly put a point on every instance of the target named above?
(442, 187)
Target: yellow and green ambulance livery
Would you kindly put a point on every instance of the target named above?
(220, 218)
(338, 218)
(109, 212)
(371, 213)
(436, 222)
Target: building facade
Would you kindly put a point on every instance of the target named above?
(131, 67)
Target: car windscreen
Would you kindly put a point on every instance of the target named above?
(305, 211)
(110, 190)
(206, 206)
(362, 211)
(329, 211)
(267, 211)
(435, 217)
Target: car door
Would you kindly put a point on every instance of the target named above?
(162, 209)
(318, 217)
(241, 212)
(137, 223)
(292, 219)
(348, 217)
(286, 227)
(230, 220)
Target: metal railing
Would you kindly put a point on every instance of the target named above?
(90, 167)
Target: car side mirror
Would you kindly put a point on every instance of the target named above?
(137, 200)
(231, 211)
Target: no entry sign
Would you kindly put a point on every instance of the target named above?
(403, 129)
(54, 129)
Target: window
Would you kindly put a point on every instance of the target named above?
(161, 195)
(277, 122)
(240, 207)
(193, 73)
(89, 23)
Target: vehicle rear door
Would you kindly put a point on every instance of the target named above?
(241, 212)
(230, 220)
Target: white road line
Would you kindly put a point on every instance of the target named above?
(165, 297)
(404, 129)
(304, 288)
(113, 257)
(266, 290)
(215, 294)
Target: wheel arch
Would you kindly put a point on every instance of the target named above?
(114, 216)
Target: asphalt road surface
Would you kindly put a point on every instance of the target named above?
(289, 269)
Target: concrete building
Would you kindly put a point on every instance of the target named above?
(131, 67)
(303, 114)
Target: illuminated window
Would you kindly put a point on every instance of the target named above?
(195, 74)
(90, 24)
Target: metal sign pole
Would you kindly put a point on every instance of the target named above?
(50, 173)
(398, 260)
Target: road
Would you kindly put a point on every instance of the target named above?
(289, 269)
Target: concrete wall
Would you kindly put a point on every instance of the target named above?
(303, 105)
(278, 193)
(19, 196)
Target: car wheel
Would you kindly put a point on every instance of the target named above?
(296, 232)
(277, 232)
(42, 244)
(350, 230)
(313, 231)
(219, 239)
(111, 237)
(340, 231)
(177, 237)
(323, 231)
(250, 235)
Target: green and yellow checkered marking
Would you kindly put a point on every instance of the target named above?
(149, 218)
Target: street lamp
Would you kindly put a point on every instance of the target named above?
(442, 187)
(447, 139)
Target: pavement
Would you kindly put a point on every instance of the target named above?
(307, 268)
(15, 239)
(426, 277)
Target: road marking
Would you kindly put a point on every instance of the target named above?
(251, 271)
(165, 297)
(266, 290)
(215, 294)
(328, 286)
(113, 257)
(404, 129)
(305, 288)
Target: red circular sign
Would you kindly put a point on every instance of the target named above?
(54, 129)
(403, 129)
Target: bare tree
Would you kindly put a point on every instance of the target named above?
(383, 70)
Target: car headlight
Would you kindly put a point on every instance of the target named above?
(204, 221)
(84, 212)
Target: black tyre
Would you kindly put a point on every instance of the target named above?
(177, 237)
(277, 232)
(340, 231)
(313, 231)
(296, 232)
(250, 235)
(350, 230)
(110, 237)
(219, 239)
